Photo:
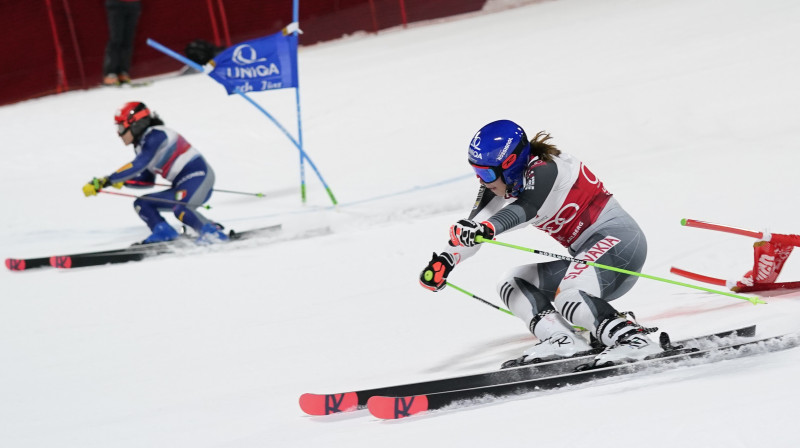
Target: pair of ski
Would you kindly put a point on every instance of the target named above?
(135, 252)
(757, 287)
(405, 400)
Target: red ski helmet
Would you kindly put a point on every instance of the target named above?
(134, 116)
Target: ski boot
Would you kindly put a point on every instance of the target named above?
(557, 340)
(625, 341)
(211, 233)
(161, 232)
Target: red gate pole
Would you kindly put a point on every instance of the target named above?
(75, 43)
(374, 15)
(403, 13)
(62, 78)
(224, 20)
(213, 22)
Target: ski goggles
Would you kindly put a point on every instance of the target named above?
(125, 122)
(488, 174)
(121, 128)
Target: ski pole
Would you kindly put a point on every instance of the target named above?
(753, 300)
(155, 184)
(258, 195)
(167, 201)
(478, 298)
(577, 327)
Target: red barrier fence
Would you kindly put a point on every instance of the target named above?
(51, 46)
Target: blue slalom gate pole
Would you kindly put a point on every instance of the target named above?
(303, 154)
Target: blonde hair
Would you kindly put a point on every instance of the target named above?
(543, 150)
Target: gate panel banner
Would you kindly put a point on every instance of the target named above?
(267, 63)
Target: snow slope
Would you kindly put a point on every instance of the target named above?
(686, 109)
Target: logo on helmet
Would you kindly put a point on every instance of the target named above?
(476, 141)
(505, 150)
(509, 161)
(475, 146)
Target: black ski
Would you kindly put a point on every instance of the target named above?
(65, 261)
(324, 404)
(246, 234)
(403, 406)
(135, 252)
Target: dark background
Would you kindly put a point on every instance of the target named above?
(34, 31)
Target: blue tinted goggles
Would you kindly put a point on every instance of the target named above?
(488, 174)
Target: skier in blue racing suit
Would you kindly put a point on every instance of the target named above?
(160, 150)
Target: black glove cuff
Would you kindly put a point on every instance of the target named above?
(448, 258)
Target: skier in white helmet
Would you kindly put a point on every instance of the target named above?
(534, 183)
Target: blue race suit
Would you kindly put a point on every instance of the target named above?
(163, 151)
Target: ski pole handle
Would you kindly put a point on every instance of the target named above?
(753, 300)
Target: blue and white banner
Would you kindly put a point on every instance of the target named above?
(266, 63)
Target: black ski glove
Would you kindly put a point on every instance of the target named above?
(434, 276)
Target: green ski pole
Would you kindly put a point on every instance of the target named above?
(753, 300)
(577, 327)
(478, 298)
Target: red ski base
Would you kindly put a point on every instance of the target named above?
(14, 264)
(392, 408)
(314, 404)
(61, 262)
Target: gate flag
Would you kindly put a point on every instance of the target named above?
(266, 63)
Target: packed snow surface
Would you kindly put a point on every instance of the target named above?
(685, 109)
